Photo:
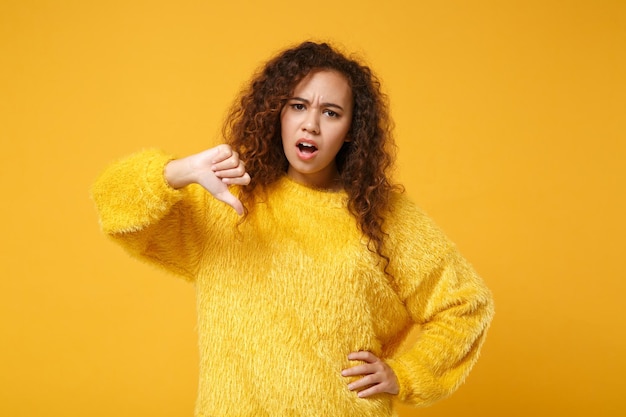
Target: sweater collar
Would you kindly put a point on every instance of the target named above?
(305, 195)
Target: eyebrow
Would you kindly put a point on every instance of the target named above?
(304, 100)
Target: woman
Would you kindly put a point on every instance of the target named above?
(304, 301)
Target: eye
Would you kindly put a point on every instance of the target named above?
(297, 106)
(331, 113)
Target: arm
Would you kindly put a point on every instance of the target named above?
(443, 296)
(454, 309)
(144, 203)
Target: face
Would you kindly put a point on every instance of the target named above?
(314, 125)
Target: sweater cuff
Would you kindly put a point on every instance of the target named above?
(133, 193)
(402, 376)
(416, 386)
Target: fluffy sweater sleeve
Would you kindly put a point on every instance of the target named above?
(150, 219)
(446, 299)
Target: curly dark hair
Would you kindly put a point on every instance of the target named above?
(253, 129)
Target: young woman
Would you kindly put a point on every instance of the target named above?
(315, 269)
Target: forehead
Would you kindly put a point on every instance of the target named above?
(329, 84)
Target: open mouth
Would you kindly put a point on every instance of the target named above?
(306, 148)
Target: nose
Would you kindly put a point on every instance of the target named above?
(311, 123)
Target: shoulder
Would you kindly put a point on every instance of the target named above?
(413, 233)
(404, 214)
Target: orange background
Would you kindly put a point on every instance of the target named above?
(511, 133)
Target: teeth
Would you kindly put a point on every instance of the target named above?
(307, 145)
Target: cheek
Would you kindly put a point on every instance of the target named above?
(286, 124)
(283, 127)
(343, 134)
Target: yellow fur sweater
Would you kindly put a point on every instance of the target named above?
(284, 297)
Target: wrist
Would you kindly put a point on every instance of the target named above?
(178, 173)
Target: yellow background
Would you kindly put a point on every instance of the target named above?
(511, 133)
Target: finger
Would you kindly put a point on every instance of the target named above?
(231, 200)
(222, 153)
(243, 180)
(228, 163)
(366, 381)
(237, 171)
(363, 355)
(373, 390)
(364, 369)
